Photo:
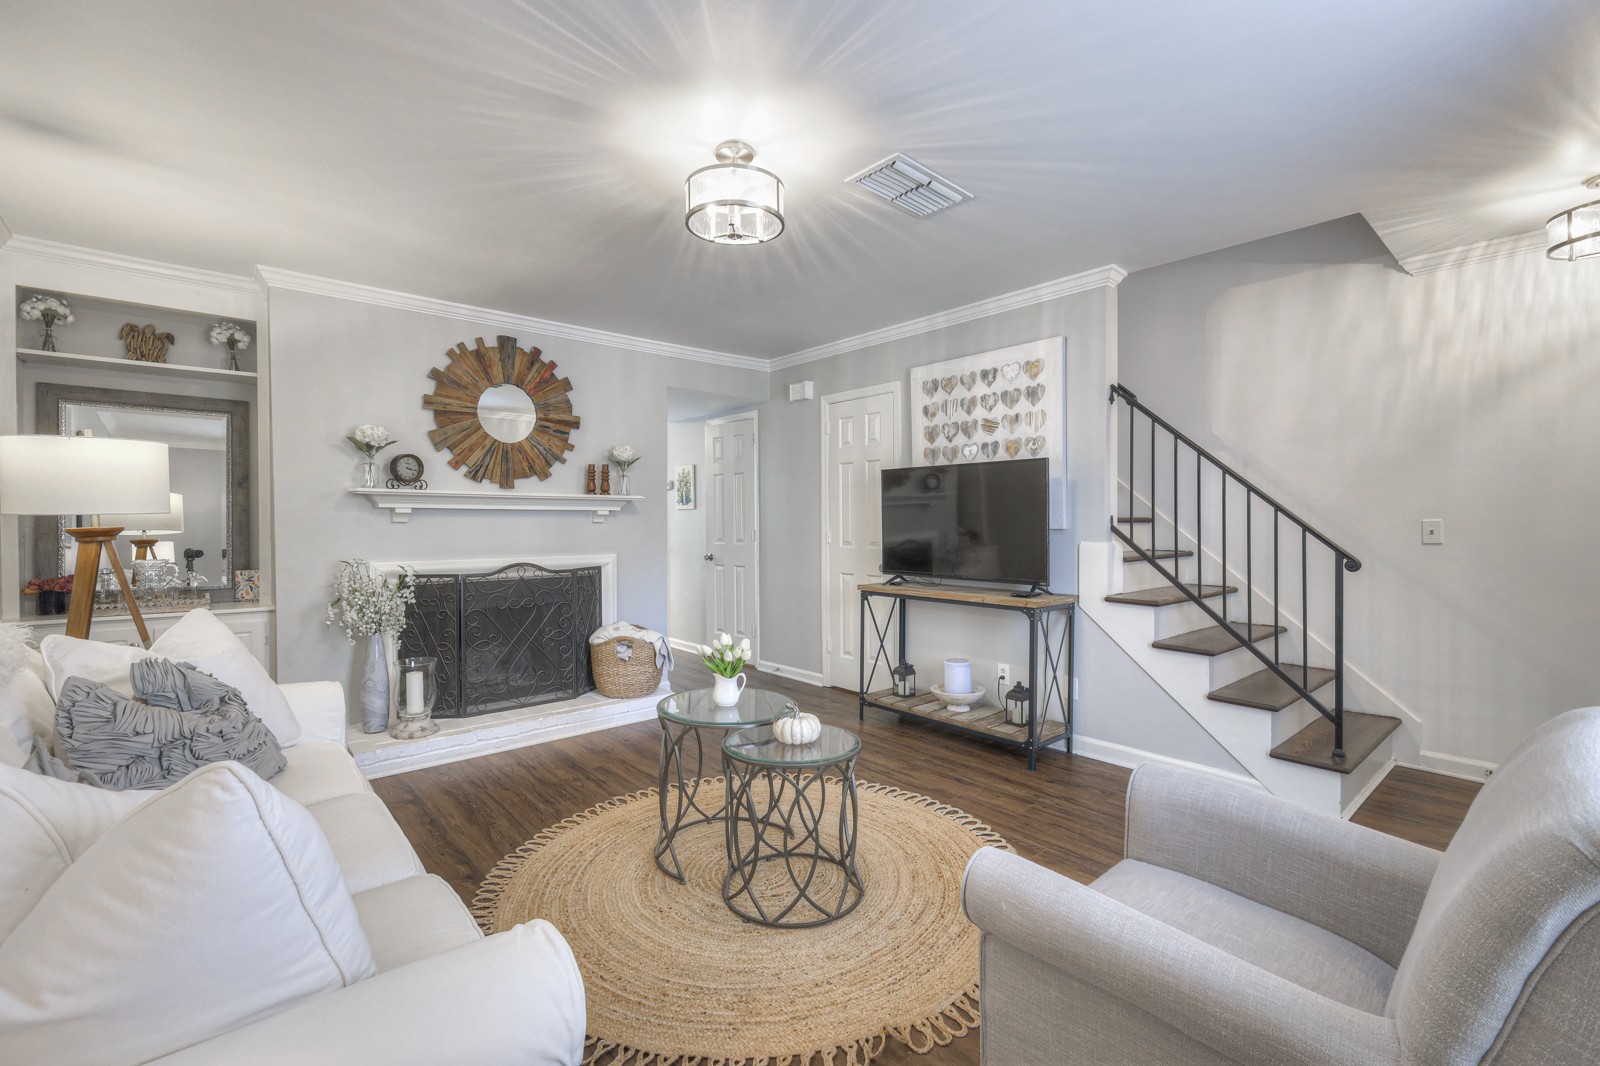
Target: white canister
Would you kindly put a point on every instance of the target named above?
(958, 675)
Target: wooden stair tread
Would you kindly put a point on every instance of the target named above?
(1266, 690)
(1313, 745)
(1159, 553)
(1214, 640)
(1135, 518)
(1166, 595)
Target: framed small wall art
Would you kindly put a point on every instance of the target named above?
(683, 487)
(995, 406)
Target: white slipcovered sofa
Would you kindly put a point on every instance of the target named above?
(434, 990)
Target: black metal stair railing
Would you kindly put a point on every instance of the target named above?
(1163, 475)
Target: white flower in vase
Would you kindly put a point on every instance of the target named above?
(234, 337)
(47, 309)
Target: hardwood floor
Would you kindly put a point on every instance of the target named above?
(464, 817)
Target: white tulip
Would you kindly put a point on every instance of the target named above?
(706, 651)
(744, 647)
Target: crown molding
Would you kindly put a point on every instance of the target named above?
(1481, 252)
(1109, 276)
(35, 248)
(275, 278)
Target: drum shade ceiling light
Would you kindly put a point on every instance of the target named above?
(1575, 232)
(732, 202)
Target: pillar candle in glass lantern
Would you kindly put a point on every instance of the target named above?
(905, 680)
(1017, 702)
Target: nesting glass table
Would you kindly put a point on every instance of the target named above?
(791, 825)
(684, 715)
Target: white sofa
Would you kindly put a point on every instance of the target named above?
(443, 992)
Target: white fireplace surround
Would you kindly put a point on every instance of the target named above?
(380, 755)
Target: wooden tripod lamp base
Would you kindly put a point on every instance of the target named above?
(81, 611)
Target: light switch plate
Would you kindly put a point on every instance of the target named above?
(1433, 531)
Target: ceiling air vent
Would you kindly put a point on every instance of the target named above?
(910, 186)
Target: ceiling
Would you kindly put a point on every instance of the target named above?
(530, 156)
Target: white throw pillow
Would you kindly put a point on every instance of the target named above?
(199, 637)
(45, 825)
(214, 904)
(27, 708)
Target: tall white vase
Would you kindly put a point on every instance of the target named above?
(375, 687)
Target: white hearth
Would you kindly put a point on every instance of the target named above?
(380, 755)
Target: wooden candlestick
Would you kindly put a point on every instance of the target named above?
(589, 485)
(605, 479)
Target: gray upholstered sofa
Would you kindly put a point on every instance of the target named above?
(1242, 929)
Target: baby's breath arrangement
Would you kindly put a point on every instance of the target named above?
(365, 602)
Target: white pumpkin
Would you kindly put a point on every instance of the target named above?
(797, 729)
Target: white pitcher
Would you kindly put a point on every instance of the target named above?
(725, 691)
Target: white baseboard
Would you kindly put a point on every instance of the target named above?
(1122, 755)
(1367, 790)
(1436, 762)
(688, 647)
(810, 677)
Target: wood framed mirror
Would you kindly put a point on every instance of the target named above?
(208, 442)
(501, 412)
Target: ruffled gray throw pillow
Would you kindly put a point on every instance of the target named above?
(181, 720)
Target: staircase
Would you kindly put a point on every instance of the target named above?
(1235, 606)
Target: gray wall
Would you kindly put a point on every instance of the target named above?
(1368, 400)
(338, 363)
(686, 539)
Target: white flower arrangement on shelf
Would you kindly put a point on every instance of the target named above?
(233, 336)
(723, 657)
(370, 440)
(48, 309)
(624, 456)
(51, 309)
(367, 603)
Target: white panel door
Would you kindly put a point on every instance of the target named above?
(732, 591)
(861, 433)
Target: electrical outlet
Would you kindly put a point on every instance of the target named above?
(1003, 676)
(1433, 531)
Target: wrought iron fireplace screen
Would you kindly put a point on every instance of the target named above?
(515, 637)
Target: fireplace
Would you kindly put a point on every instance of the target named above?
(517, 636)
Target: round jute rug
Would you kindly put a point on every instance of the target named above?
(674, 978)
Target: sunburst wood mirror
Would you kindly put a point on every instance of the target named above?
(501, 412)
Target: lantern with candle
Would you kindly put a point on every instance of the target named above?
(905, 680)
(1017, 703)
(414, 699)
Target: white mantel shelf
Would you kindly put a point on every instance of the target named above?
(401, 502)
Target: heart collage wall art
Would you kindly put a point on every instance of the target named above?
(1000, 405)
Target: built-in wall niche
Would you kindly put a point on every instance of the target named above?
(92, 340)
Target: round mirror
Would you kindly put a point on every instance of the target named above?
(506, 413)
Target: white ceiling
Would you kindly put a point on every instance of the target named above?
(530, 156)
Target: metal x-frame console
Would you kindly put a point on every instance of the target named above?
(1050, 630)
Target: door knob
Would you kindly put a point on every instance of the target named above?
(708, 557)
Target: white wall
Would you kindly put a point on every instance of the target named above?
(686, 539)
(338, 363)
(1367, 400)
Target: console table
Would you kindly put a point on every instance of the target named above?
(1050, 630)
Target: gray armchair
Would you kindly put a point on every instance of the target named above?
(1243, 929)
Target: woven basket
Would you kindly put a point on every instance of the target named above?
(622, 679)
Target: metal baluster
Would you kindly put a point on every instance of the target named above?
(1277, 654)
(1132, 417)
(1199, 528)
(1338, 655)
(1305, 620)
(1249, 561)
(1176, 506)
(1225, 541)
(1152, 484)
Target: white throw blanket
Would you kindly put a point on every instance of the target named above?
(637, 633)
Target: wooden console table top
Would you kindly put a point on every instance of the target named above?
(993, 598)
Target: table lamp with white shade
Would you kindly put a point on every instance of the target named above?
(143, 530)
(90, 476)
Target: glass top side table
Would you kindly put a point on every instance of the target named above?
(791, 828)
(683, 715)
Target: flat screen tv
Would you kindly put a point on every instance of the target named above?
(970, 521)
